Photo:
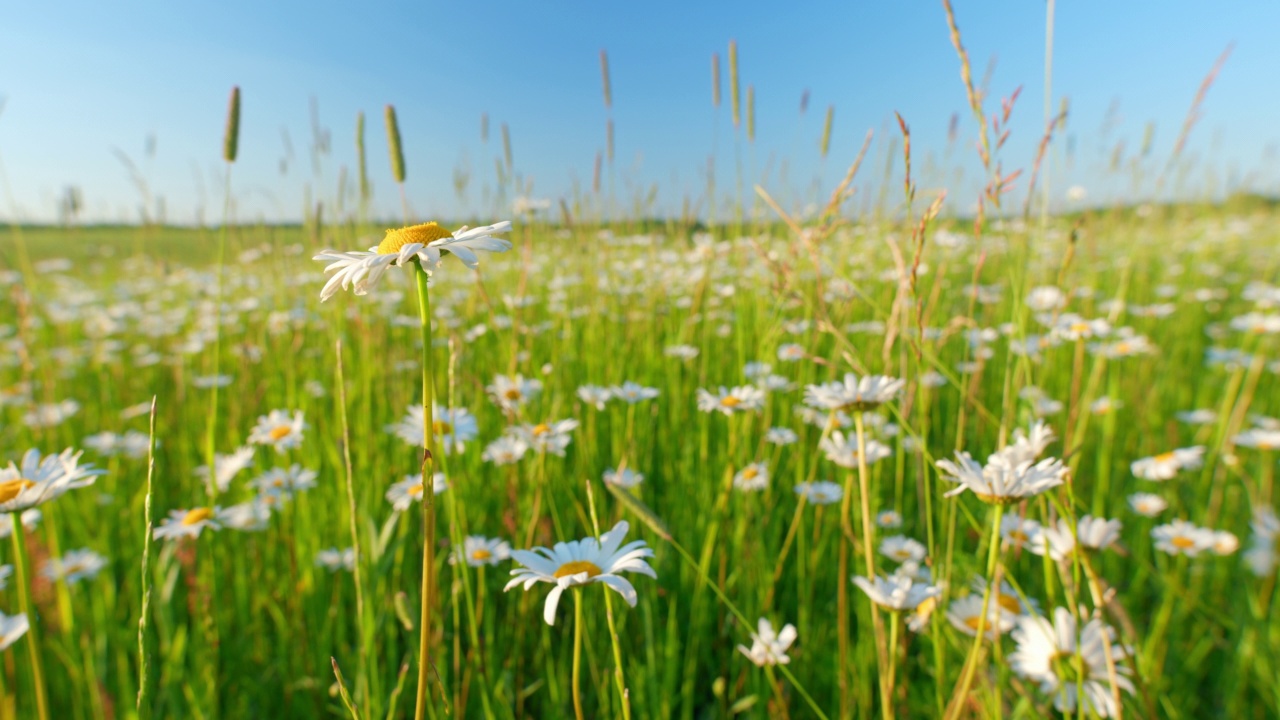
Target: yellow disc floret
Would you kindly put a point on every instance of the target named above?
(578, 566)
(10, 489)
(196, 516)
(425, 234)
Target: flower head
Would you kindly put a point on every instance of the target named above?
(1002, 480)
(853, 393)
(768, 646)
(37, 480)
(1062, 659)
(278, 430)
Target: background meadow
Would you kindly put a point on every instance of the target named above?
(1001, 296)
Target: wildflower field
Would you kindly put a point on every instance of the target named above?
(789, 457)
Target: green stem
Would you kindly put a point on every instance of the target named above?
(24, 606)
(428, 498)
(577, 654)
(993, 558)
(869, 555)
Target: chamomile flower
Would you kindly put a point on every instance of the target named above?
(228, 466)
(965, 615)
(548, 437)
(780, 436)
(284, 482)
(1060, 658)
(581, 562)
(513, 393)
(278, 430)
(1225, 542)
(454, 428)
(740, 399)
(1200, 416)
(506, 450)
(1018, 531)
(425, 243)
(74, 566)
(822, 492)
(409, 490)
(188, 523)
(333, 559)
(888, 519)
(625, 477)
(753, 477)
(1090, 533)
(1262, 553)
(1002, 481)
(479, 550)
(37, 480)
(1182, 538)
(790, 352)
(632, 393)
(769, 647)
(251, 516)
(853, 393)
(843, 450)
(1165, 466)
(594, 395)
(1258, 439)
(12, 628)
(1147, 505)
(897, 592)
(901, 548)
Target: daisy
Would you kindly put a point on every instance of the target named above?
(896, 592)
(1225, 542)
(625, 478)
(632, 393)
(853, 393)
(188, 523)
(581, 562)
(842, 450)
(1047, 654)
(1261, 555)
(966, 613)
(548, 437)
(479, 550)
(454, 427)
(901, 548)
(1002, 481)
(283, 483)
(1197, 417)
(754, 370)
(739, 399)
(46, 416)
(334, 559)
(1019, 532)
(1167, 465)
(409, 490)
(278, 430)
(423, 243)
(780, 436)
(251, 516)
(791, 352)
(512, 393)
(1092, 534)
(228, 466)
(1258, 439)
(74, 566)
(506, 450)
(1007, 599)
(769, 647)
(594, 395)
(12, 628)
(683, 352)
(38, 480)
(1182, 538)
(821, 492)
(751, 478)
(1147, 505)
(1029, 445)
(889, 519)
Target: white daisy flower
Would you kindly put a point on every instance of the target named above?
(284, 482)
(409, 490)
(37, 480)
(1019, 532)
(506, 450)
(512, 393)
(901, 548)
(889, 519)
(424, 244)
(821, 492)
(1261, 555)
(1092, 534)
(842, 449)
(753, 477)
(1225, 542)
(1029, 445)
(1165, 466)
(966, 613)
(896, 592)
(632, 393)
(1182, 538)
(228, 466)
(790, 352)
(594, 395)
(333, 559)
(278, 430)
(1258, 439)
(739, 399)
(769, 647)
(853, 393)
(580, 562)
(780, 436)
(188, 523)
(74, 566)
(454, 428)
(754, 370)
(1046, 649)
(251, 516)
(12, 628)
(548, 437)
(683, 352)
(50, 415)
(1147, 505)
(1201, 416)
(623, 477)
(1002, 481)
(479, 550)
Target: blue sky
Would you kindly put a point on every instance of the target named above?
(82, 78)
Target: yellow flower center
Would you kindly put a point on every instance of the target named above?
(973, 621)
(1123, 348)
(1165, 457)
(9, 489)
(425, 233)
(1183, 543)
(730, 401)
(578, 566)
(481, 554)
(443, 428)
(749, 473)
(415, 490)
(1080, 327)
(197, 516)
(1018, 536)
(541, 429)
(1009, 602)
(280, 432)
(512, 394)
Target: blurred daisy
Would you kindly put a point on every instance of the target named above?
(1261, 555)
(1197, 417)
(512, 393)
(1090, 533)
(1047, 654)
(50, 415)
(853, 393)
(278, 430)
(632, 393)
(896, 592)
(821, 492)
(228, 466)
(188, 523)
(594, 395)
(966, 613)
(1019, 532)
(843, 450)
(889, 519)
(1147, 505)
(549, 437)
(1182, 538)
(623, 477)
(284, 482)
(580, 562)
(74, 566)
(1002, 481)
(334, 559)
(37, 480)
(780, 436)
(425, 243)
(251, 516)
(1225, 542)
(454, 428)
(752, 478)
(791, 352)
(1258, 439)
(739, 399)
(479, 550)
(769, 647)
(506, 450)
(901, 548)
(409, 490)
(12, 628)
(1167, 465)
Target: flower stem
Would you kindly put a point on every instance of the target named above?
(869, 555)
(428, 498)
(577, 653)
(24, 606)
(970, 666)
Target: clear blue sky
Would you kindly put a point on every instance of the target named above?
(81, 78)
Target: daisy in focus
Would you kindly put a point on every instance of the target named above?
(424, 244)
(1064, 659)
(853, 393)
(581, 562)
(1002, 480)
